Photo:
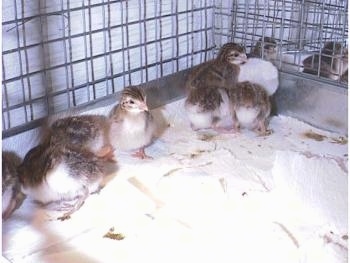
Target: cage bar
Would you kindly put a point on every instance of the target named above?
(63, 54)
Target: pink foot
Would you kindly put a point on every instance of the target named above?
(264, 132)
(141, 154)
(76, 206)
(226, 130)
(107, 153)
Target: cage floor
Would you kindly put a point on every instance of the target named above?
(205, 197)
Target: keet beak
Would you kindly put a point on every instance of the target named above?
(244, 58)
(144, 107)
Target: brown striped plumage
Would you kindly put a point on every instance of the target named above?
(133, 99)
(133, 92)
(88, 132)
(83, 165)
(207, 82)
(54, 172)
(219, 73)
(250, 105)
(231, 52)
(70, 162)
(79, 129)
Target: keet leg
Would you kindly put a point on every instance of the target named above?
(9, 210)
(261, 129)
(107, 153)
(141, 154)
(76, 206)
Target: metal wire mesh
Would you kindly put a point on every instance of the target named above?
(300, 28)
(66, 53)
(62, 54)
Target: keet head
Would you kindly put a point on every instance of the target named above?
(332, 48)
(266, 48)
(133, 100)
(233, 53)
(270, 45)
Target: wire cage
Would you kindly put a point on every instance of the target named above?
(63, 54)
(299, 28)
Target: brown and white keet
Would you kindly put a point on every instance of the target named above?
(55, 173)
(332, 63)
(250, 107)
(88, 132)
(206, 103)
(132, 124)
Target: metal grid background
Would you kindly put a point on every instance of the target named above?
(300, 27)
(62, 54)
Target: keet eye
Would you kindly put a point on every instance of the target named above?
(236, 54)
(132, 102)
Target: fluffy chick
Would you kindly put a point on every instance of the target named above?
(88, 132)
(332, 63)
(55, 173)
(132, 124)
(207, 103)
(250, 107)
(262, 72)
